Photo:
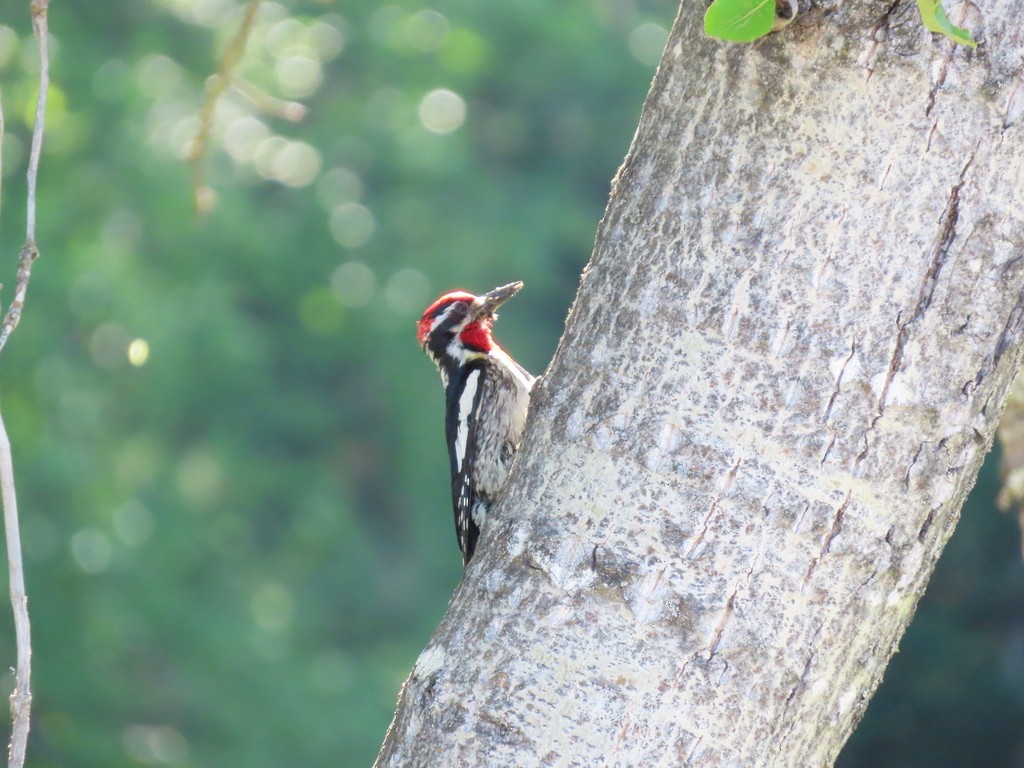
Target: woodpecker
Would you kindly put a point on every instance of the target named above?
(487, 395)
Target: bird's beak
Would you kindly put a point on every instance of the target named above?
(488, 304)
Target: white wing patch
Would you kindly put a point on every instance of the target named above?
(465, 409)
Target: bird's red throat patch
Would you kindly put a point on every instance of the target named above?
(477, 336)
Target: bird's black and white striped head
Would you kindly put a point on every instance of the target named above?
(456, 329)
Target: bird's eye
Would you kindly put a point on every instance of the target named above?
(460, 307)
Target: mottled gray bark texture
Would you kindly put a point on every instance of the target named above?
(784, 366)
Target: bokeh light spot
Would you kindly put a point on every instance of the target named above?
(8, 44)
(354, 284)
(442, 111)
(646, 43)
(426, 30)
(155, 744)
(200, 477)
(91, 550)
(133, 522)
(138, 352)
(243, 137)
(384, 23)
(210, 13)
(266, 155)
(298, 75)
(352, 224)
(296, 164)
(326, 37)
(320, 312)
(406, 291)
(272, 607)
(136, 462)
(337, 186)
(158, 76)
(465, 52)
(285, 34)
(111, 81)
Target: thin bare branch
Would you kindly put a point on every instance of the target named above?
(291, 111)
(21, 697)
(39, 8)
(29, 253)
(215, 86)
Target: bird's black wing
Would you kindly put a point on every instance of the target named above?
(463, 404)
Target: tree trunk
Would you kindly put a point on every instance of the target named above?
(782, 372)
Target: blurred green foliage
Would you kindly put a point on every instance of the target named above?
(229, 448)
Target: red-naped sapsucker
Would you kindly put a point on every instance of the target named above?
(487, 395)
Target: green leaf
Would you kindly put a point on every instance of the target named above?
(740, 20)
(934, 17)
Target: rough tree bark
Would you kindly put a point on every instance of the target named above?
(784, 366)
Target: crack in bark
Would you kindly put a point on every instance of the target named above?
(694, 749)
(800, 518)
(795, 690)
(724, 484)
(648, 598)
(926, 525)
(704, 528)
(827, 260)
(803, 679)
(1013, 326)
(879, 34)
(937, 82)
(942, 69)
(931, 133)
(939, 254)
(885, 175)
(826, 541)
(913, 461)
(728, 610)
(828, 448)
(716, 636)
(869, 579)
(839, 382)
(800, 685)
